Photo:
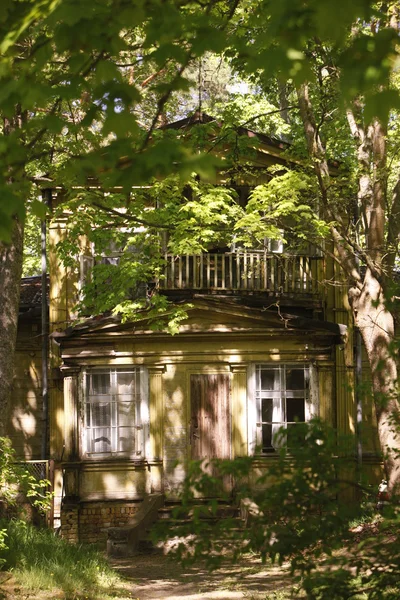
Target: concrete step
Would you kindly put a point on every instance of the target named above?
(167, 520)
(198, 511)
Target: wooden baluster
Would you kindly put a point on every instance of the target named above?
(180, 272)
(216, 271)
(223, 257)
(257, 281)
(308, 285)
(273, 265)
(295, 268)
(172, 272)
(238, 258)
(164, 282)
(201, 271)
(286, 273)
(187, 276)
(265, 271)
(314, 276)
(195, 270)
(301, 273)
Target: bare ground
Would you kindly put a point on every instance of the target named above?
(157, 577)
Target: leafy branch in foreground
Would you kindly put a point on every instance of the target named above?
(295, 510)
(15, 480)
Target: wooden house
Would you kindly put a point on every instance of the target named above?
(267, 343)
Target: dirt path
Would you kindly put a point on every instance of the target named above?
(156, 577)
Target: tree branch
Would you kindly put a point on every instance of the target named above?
(131, 218)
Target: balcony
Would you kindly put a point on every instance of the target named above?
(253, 271)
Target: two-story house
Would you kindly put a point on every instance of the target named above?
(267, 343)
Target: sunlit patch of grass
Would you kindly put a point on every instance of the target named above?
(39, 560)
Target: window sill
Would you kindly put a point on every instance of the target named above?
(114, 460)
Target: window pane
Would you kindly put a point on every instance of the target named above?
(101, 439)
(126, 383)
(126, 414)
(266, 437)
(88, 417)
(101, 414)
(266, 410)
(295, 379)
(99, 383)
(126, 439)
(269, 379)
(295, 410)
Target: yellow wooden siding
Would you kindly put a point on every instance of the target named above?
(24, 424)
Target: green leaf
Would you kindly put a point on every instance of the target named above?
(39, 209)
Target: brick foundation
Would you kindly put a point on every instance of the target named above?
(88, 522)
(69, 523)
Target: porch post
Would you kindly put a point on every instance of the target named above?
(326, 392)
(156, 411)
(239, 409)
(71, 409)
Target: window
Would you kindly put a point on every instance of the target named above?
(280, 396)
(116, 411)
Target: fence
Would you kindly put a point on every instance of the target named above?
(242, 271)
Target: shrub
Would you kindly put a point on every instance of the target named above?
(297, 511)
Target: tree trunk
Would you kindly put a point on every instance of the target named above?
(10, 282)
(376, 325)
(375, 322)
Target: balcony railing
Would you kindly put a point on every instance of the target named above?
(242, 271)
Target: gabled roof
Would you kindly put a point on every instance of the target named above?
(31, 291)
(30, 302)
(199, 118)
(210, 316)
(269, 145)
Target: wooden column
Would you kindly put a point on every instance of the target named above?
(326, 392)
(156, 406)
(62, 296)
(239, 409)
(71, 409)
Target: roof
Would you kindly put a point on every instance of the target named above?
(30, 301)
(237, 317)
(31, 291)
(199, 118)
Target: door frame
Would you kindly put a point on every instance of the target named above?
(206, 370)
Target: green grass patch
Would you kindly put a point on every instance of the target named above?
(40, 560)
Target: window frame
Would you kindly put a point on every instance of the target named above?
(140, 445)
(254, 404)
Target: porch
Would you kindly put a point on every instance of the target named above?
(246, 271)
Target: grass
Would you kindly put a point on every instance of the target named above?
(39, 560)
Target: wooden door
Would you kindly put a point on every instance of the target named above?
(210, 416)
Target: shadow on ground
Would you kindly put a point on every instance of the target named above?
(156, 577)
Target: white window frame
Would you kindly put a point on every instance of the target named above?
(140, 405)
(311, 404)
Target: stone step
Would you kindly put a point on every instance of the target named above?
(169, 518)
(200, 511)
